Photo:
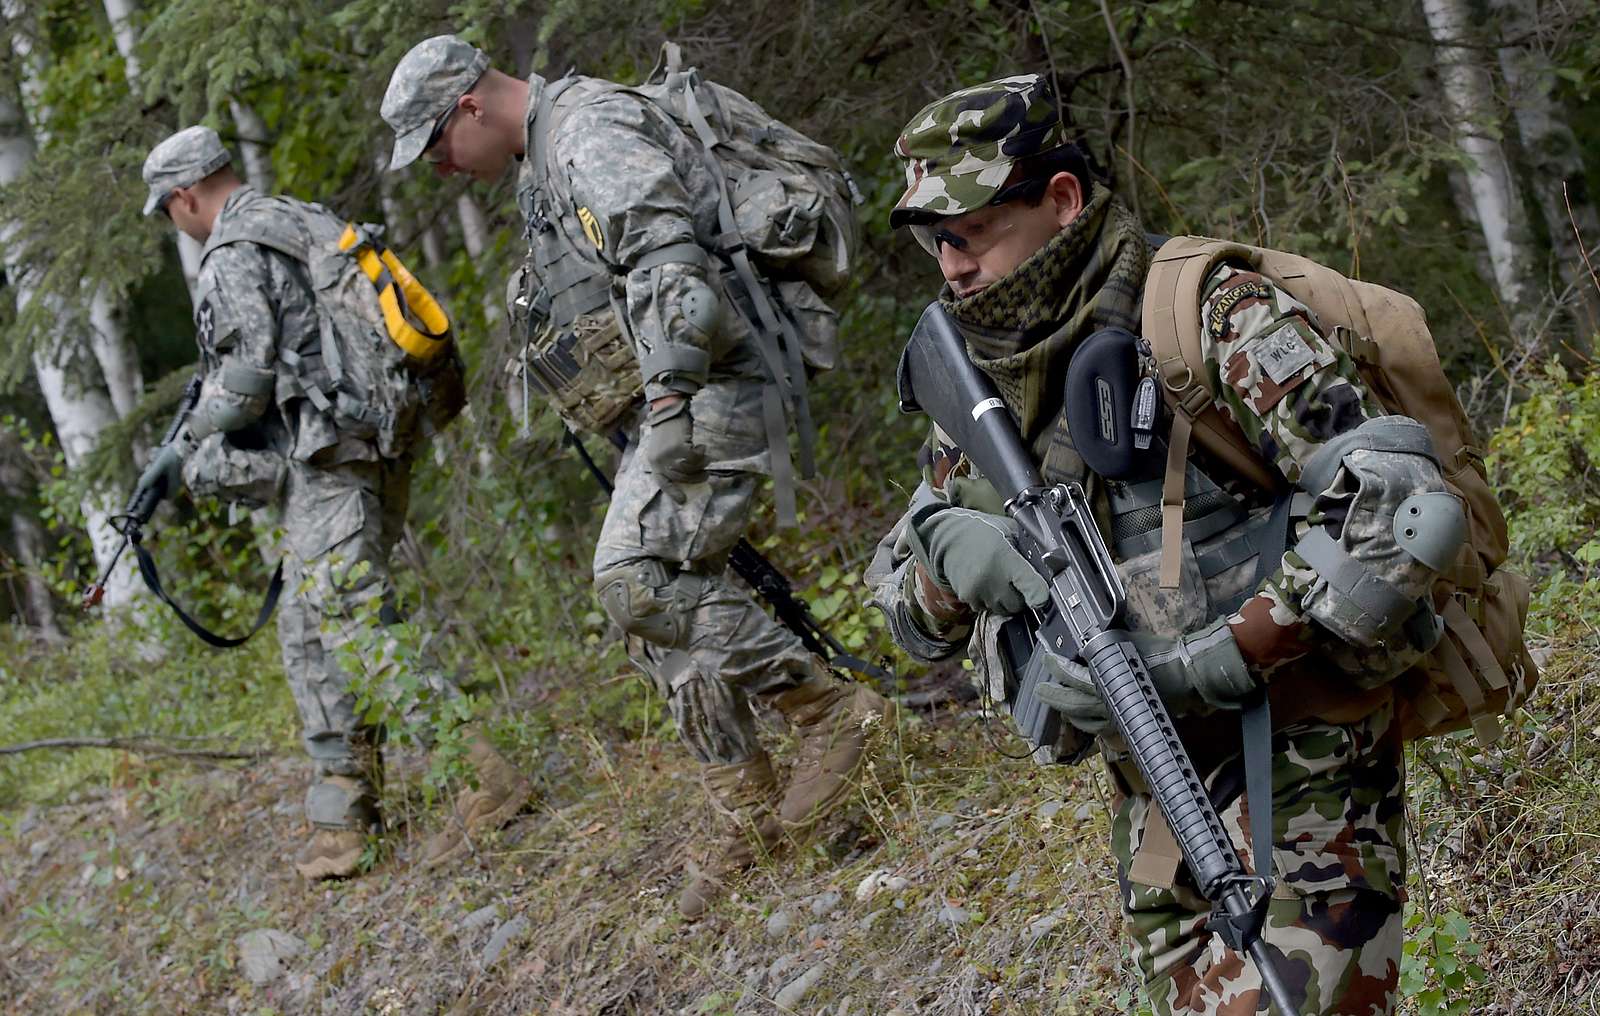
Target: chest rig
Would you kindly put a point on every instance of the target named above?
(574, 352)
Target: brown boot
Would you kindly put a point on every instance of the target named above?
(342, 810)
(834, 719)
(743, 793)
(331, 853)
(502, 791)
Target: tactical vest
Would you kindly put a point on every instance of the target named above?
(788, 234)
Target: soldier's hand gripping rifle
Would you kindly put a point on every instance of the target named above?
(144, 500)
(1083, 623)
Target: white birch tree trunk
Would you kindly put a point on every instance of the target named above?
(1474, 119)
(1556, 161)
(69, 373)
(253, 146)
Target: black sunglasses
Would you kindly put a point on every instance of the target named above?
(439, 126)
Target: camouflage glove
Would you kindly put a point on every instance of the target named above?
(973, 556)
(670, 450)
(163, 476)
(1195, 671)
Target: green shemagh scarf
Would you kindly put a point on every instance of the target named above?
(1021, 330)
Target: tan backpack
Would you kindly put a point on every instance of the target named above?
(1481, 668)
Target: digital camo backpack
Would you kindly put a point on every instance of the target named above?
(382, 364)
(1481, 668)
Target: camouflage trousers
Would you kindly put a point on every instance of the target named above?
(1335, 920)
(661, 572)
(340, 524)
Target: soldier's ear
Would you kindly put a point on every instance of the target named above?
(1066, 193)
(470, 106)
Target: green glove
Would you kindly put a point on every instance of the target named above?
(1196, 671)
(973, 555)
(163, 476)
(670, 450)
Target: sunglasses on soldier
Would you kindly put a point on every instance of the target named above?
(976, 232)
(428, 153)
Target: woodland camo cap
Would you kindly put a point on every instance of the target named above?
(183, 160)
(959, 150)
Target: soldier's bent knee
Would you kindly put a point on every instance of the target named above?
(649, 601)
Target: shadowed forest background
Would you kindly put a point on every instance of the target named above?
(1445, 148)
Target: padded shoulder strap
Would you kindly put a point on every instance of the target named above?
(270, 222)
(1171, 324)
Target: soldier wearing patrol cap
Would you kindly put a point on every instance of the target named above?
(262, 434)
(623, 254)
(1037, 256)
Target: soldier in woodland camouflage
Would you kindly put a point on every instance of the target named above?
(258, 436)
(1037, 256)
(622, 229)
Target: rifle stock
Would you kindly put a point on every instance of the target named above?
(1059, 538)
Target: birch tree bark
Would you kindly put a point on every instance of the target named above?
(1474, 119)
(253, 146)
(69, 372)
(1553, 155)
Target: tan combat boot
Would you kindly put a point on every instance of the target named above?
(743, 793)
(335, 850)
(502, 791)
(835, 719)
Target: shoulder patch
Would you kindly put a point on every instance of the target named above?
(1217, 319)
(1283, 353)
(205, 322)
(591, 228)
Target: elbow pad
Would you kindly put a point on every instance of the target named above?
(1401, 529)
(242, 394)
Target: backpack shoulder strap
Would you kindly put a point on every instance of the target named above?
(1171, 324)
(270, 222)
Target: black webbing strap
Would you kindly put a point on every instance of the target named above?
(1255, 723)
(147, 568)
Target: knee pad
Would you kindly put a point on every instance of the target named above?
(647, 602)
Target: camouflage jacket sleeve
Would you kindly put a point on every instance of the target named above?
(925, 620)
(638, 185)
(1291, 390)
(243, 291)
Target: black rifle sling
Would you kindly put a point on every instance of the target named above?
(1255, 724)
(147, 569)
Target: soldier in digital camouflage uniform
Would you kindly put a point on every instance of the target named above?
(1036, 257)
(256, 437)
(621, 226)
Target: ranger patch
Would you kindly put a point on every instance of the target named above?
(591, 228)
(1217, 322)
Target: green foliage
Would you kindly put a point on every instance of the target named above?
(1544, 467)
(1439, 972)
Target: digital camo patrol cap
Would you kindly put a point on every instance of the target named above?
(960, 149)
(182, 160)
(426, 82)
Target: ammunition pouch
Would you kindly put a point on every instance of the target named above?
(587, 371)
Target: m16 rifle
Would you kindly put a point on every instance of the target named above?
(1083, 624)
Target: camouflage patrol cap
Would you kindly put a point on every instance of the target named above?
(960, 149)
(426, 82)
(182, 160)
